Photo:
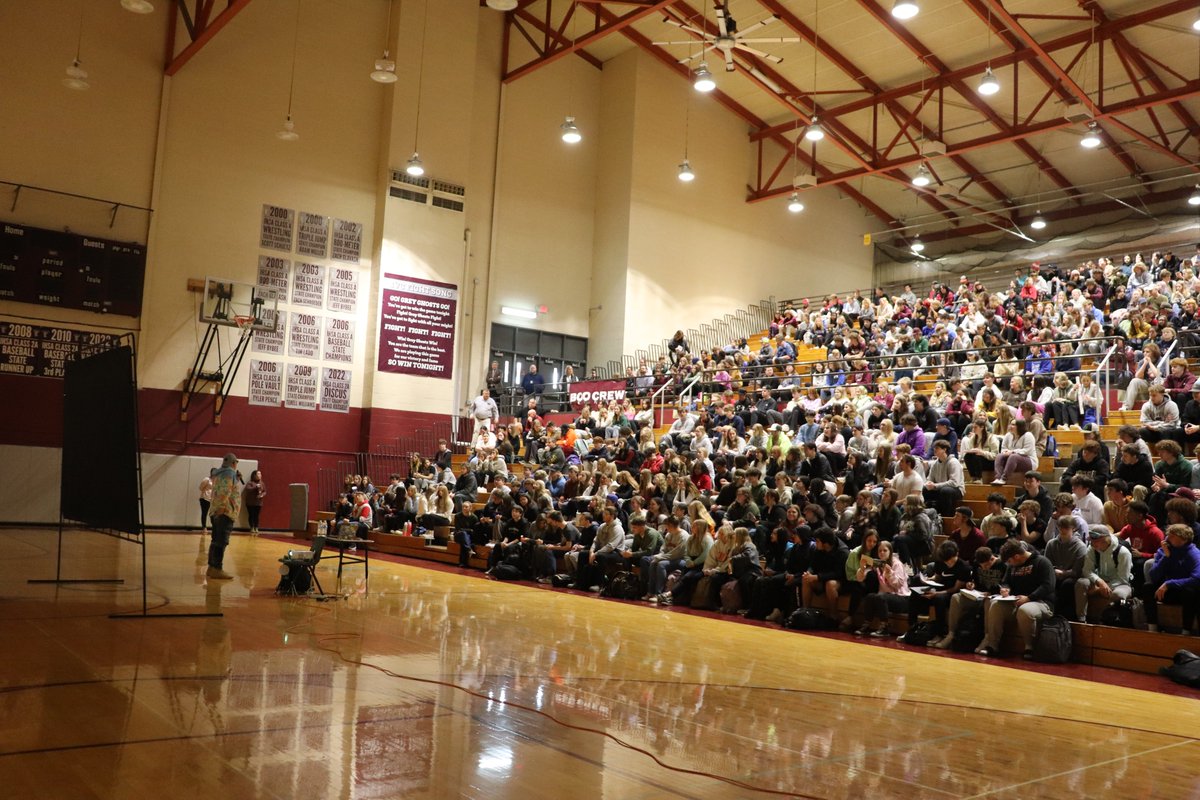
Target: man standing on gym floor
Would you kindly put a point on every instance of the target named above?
(226, 504)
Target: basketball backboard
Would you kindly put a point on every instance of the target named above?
(230, 303)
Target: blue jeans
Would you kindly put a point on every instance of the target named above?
(656, 574)
(222, 526)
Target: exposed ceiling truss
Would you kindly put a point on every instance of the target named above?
(882, 104)
(196, 20)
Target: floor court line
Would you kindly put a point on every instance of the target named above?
(1052, 776)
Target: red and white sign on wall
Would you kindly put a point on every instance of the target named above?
(416, 331)
(593, 393)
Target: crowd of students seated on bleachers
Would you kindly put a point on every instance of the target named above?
(802, 482)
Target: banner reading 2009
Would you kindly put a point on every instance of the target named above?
(416, 331)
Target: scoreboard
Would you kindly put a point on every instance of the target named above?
(53, 268)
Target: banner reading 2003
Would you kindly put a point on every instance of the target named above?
(416, 331)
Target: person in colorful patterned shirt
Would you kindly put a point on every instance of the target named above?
(226, 504)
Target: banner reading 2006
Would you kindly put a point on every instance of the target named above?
(416, 331)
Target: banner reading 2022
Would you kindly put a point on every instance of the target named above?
(416, 332)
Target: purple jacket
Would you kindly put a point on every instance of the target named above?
(915, 438)
(1181, 568)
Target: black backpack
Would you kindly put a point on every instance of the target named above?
(809, 619)
(297, 580)
(1185, 669)
(968, 635)
(919, 635)
(1125, 613)
(506, 572)
(623, 586)
(1052, 645)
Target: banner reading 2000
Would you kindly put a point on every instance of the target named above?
(416, 331)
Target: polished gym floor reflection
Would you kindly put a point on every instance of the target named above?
(440, 685)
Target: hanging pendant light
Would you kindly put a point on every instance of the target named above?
(385, 70)
(1091, 138)
(1194, 198)
(703, 79)
(794, 205)
(814, 132)
(138, 6)
(917, 245)
(502, 5)
(1038, 222)
(905, 9)
(76, 77)
(922, 178)
(288, 132)
(685, 172)
(570, 132)
(989, 85)
(414, 166)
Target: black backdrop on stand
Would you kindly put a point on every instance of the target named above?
(100, 455)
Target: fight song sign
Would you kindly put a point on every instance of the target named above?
(416, 331)
(593, 393)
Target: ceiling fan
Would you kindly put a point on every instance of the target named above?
(729, 38)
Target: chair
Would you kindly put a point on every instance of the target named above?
(308, 559)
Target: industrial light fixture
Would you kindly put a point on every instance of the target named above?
(288, 132)
(502, 5)
(794, 204)
(1091, 139)
(1194, 199)
(917, 245)
(415, 167)
(989, 85)
(702, 79)
(905, 9)
(76, 77)
(685, 172)
(385, 70)
(1038, 222)
(523, 313)
(570, 132)
(922, 178)
(138, 6)
(1196, 24)
(814, 132)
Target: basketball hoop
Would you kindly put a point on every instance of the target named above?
(244, 323)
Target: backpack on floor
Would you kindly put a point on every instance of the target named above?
(1126, 613)
(297, 580)
(623, 586)
(1185, 669)
(731, 597)
(968, 634)
(919, 635)
(702, 595)
(1052, 645)
(561, 580)
(506, 572)
(808, 619)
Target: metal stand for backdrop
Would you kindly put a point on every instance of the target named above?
(137, 535)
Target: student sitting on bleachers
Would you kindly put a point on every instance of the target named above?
(1029, 581)
(1174, 577)
(1107, 575)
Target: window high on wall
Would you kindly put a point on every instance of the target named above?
(516, 348)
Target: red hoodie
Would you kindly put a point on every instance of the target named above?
(1144, 539)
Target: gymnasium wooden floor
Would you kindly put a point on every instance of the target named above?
(441, 685)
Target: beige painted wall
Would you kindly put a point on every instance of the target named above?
(698, 250)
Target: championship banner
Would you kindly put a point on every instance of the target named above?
(266, 383)
(335, 390)
(301, 388)
(595, 392)
(416, 330)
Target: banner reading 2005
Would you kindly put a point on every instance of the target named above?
(416, 332)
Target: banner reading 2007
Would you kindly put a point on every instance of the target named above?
(416, 331)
